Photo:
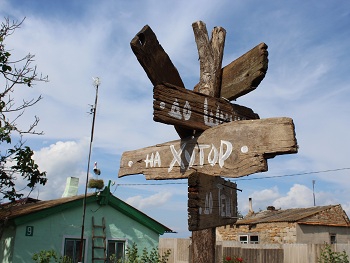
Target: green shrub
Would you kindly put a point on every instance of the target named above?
(329, 256)
(132, 256)
(47, 256)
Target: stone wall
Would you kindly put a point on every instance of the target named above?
(268, 233)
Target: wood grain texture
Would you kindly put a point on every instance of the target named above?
(212, 202)
(154, 60)
(233, 149)
(192, 110)
(244, 74)
(157, 64)
(203, 246)
(210, 53)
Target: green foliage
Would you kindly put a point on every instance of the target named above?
(132, 256)
(15, 157)
(48, 256)
(329, 256)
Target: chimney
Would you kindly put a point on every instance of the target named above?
(251, 211)
(71, 187)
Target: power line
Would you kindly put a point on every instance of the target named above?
(254, 178)
(290, 175)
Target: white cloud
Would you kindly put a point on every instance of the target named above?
(60, 160)
(152, 201)
(298, 196)
(307, 80)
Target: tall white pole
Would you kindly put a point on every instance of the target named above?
(96, 85)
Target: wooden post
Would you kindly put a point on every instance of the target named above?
(210, 56)
(203, 246)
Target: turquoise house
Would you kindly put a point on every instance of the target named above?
(111, 225)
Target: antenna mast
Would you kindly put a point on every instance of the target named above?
(96, 84)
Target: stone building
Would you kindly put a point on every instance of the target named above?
(313, 225)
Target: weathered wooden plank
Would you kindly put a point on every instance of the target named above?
(210, 58)
(157, 64)
(212, 202)
(203, 246)
(192, 110)
(233, 149)
(244, 74)
(154, 60)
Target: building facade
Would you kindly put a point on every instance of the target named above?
(110, 226)
(314, 225)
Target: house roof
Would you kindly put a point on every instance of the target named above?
(20, 214)
(317, 215)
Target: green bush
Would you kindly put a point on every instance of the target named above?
(132, 256)
(329, 256)
(47, 256)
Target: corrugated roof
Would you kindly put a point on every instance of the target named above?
(21, 213)
(17, 210)
(287, 215)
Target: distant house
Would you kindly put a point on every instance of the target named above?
(313, 225)
(110, 226)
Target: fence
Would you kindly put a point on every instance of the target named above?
(251, 253)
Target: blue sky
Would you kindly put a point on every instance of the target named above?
(308, 80)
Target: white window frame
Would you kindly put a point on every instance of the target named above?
(243, 242)
(253, 242)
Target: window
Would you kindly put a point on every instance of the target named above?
(254, 239)
(249, 239)
(333, 238)
(243, 239)
(115, 247)
(72, 248)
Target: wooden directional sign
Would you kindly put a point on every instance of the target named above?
(233, 149)
(193, 110)
(238, 78)
(212, 202)
(244, 74)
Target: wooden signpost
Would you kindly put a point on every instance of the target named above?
(193, 110)
(233, 149)
(212, 202)
(217, 138)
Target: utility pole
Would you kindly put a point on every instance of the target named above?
(313, 191)
(93, 112)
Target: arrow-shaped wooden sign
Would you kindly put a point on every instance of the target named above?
(233, 149)
(238, 78)
(192, 110)
(212, 202)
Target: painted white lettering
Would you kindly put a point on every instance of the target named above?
(219, 116)
(190, 158)
(224, 155)
(149, 160)
(175, 111)
(201, 148)
(213, 155)
(222, 205)
(157, 161)
(187, 111)
(186, 159)
(208, 209)
(177, 157)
